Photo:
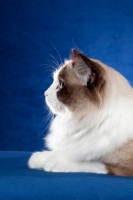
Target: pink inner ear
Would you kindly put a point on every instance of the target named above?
(83, 71)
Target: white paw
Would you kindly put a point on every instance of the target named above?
(37, 159)
(55, 163)
(59, 164)
(47, 160)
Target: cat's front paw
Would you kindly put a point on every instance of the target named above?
(37, 160)
(56, 163)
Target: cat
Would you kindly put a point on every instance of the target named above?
(93, 128)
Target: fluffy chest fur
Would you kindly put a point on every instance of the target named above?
(82, 140)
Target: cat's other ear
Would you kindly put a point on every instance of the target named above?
(74, 53)
(82, 67)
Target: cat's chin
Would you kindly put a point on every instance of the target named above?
(57, 111)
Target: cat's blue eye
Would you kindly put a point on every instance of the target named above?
(61, 84)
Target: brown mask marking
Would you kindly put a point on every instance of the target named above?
(74, 94)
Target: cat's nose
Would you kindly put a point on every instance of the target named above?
(45, 94)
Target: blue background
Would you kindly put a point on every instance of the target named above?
(31, 31)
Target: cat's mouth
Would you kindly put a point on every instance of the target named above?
(56, 106)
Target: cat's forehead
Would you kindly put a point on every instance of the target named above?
(67, 64)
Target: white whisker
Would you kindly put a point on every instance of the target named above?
(56, 61)
(57, 53)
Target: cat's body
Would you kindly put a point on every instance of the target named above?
(93, 129)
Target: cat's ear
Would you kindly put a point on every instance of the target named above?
(83, 67)
(74, 53)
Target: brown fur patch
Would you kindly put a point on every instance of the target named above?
(120, 161)
(74, 94)
(119, 170)
(70, 94)
(99, 84)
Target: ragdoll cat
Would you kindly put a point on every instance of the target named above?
(93, 127)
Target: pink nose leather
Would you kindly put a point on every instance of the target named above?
(45, 94)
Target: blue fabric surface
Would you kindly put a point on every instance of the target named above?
(17, 181)
(101, 29)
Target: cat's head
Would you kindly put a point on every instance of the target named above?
(79, 84)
